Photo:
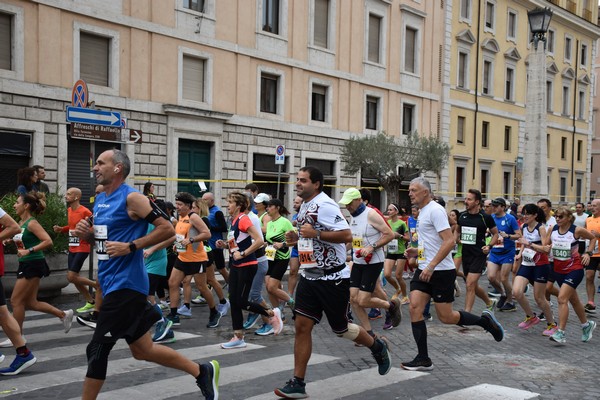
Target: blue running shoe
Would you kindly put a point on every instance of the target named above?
(494, 326)
(208, 381)
(19, 364)
(250, 321)
(265, 330)
(169, 337)
(161, 330)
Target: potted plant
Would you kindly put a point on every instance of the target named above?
(55, 214)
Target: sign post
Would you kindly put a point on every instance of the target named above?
(279, 161)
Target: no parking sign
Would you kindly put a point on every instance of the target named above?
(280, 154)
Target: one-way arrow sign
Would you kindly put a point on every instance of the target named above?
(96, 117)
(132, 136)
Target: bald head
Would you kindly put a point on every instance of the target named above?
(209, 198)
(73, 196)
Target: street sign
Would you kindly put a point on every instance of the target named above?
(96, 117)
(280, 155)
(95, 132)
(132, 136)
(79, 96)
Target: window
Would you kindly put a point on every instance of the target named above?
(195, 5)
(549, 89)
(372, 110)
(374, 35)
(506, 183)
(579, 189)
(550, 41)
(460, 130)
(410, 46)
(94, 58)
(6, 40)
(563, 189)
(319, 96)
(463, 63)
(266, 172)
(487, 77)
(507, 137)
(579, 149)
(485, 134)
(563, 148)
(582, 105)
(567, 48)
(321, 23)
(408, 115)
(268, 93)
(509, 86)
(584, 55)
(327, 167)
(511, 28)
(460, 181)
(270, 20)
(548, 148)
(490, 11)
(565, 100)
(485, 175)
(465, 9)
(193, 78)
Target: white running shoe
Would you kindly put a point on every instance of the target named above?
(67, 320)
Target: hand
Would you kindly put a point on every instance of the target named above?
(220, 244)
(595, 233)
(585, 259)
(83, 228)
(291, 237)
(22, 252)
(425, 274)
(237, 255)
(486, 249)
(524, 241)
(57, 228)
(411, 252)
(308, 231)
(147, 253)
(117, 249)
(185, 242)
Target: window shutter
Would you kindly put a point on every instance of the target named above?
(321, 22)
(94, 58)
(409, 49)
(374, 29)
(193, 78)
(5, 41)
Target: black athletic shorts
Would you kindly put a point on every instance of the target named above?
(190, 268)
(76, 260)
(277, 268)
(473, 265)
(364, 276)
(440, 287)
(398, 256)
(125, 314)
(313, 298)
(33, 269)
(593, 265)
(155, 282)
(219, 258)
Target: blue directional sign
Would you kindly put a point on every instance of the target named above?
(95, 117)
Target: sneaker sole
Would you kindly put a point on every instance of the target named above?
(23, 367)
(166, 341)
(165, 332)
(265, 334)
(89, 324)
(215, 377)
(239, 346)
(420, 368)
(290, 396)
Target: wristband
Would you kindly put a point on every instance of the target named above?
(192, 239)
(132, 247)
(30, 250)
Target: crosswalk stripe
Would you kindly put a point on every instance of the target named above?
(352, 383)
(27, 383)
(487, 391)
(181, 385)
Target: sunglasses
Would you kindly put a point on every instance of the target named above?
(559, 216)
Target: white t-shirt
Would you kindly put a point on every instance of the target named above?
(432, 220)
(2, 212)
(256, 222)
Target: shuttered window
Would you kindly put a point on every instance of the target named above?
(94, 56)
(374, 33)
(321, 23)
(5, 41)
(410, 59)
(193, 78)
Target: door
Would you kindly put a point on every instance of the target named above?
(194, 163)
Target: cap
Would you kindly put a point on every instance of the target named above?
(262, 198)
(499, 201)
(349, 195)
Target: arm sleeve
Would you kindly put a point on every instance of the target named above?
(221, 223)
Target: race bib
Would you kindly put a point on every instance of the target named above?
(73, 240)
(393, 246)
(270, 252)
(306, 255)
(421, 253)
(528, 256)
(357, 242)
(178, 246)
(233, 246)
(101, 236)
(468, 235)
(561, 251)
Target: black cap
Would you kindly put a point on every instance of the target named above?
(275, 202)
(499, 201)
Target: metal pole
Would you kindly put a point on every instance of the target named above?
(278, 178)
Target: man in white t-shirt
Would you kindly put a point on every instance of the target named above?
(436, 275)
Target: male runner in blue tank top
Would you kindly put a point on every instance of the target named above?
(121, 217)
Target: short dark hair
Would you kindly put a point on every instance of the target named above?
(315, 175)
(37, 168)
(477, 194)
(547, 201)
(578, 203)
(253, 187)
(533, 209)
(185, 198)
(365, 195)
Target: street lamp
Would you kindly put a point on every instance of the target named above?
(539, 20)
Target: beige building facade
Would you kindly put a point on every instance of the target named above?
(488, 86)
(215, 85)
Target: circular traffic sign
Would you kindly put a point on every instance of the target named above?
(280, 150)
(79, 96)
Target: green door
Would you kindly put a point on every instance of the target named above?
(194, 163)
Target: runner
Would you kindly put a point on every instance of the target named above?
(218, 226)
(592, 223)
(395, 254)
(294, 263)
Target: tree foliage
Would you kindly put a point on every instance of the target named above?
(391, 161)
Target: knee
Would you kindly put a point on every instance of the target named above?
(272, 286)
(139, 353)
(97, 356)
(71, 277)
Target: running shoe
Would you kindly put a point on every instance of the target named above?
(276, 321)
(223, 308)
(214, 319)
(169, 338)
(292, 390)
(174, 319)
(508, 307)
(387, 325)
(457, 291)
(251, 320)
(395, 312)
(590, 308)
(418, 364)
(89, 320)
(587, 331)
(550, 330)
(199, 300)
(163, 305)
(397, 294)
(542, 317)
(184, 311)
(264, 330)
(161, 329)
(494, 326)
(427, 317)
(19, 364)
(529, 322)
(382, 357)
(559, 337)
(86, 308)
(405, 275)
(374, 314)
(405, 300)
(234, 343)
(2, 357)
(208, 380)
(67, 320)
(501, 301)
(490, 307)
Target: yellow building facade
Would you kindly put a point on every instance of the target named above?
(488, 87)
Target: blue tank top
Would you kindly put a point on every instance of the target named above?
(214, 236)
(126, 272)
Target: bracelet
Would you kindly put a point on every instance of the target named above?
(430, 269)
